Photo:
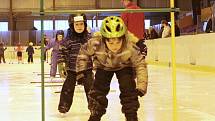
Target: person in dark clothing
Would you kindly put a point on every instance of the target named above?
(2, 49)
(152, 34)
(114, 53)
(160, 31)
(177, 30)
(135, 23)
(69, 30)
(30, 51)
(208, 26)
(68, 52)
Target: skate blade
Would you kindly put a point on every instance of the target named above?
(62, 115)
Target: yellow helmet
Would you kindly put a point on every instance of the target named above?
(113, 27)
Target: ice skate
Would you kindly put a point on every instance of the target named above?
(52, 78)
(62, 110)
(94, 118)
(62, 115)
(131, 119)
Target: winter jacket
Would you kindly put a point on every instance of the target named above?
(2, 49)
(166, 31)
(53, 44)
(30, 50)
(129, 56)
(69, 49)
(134, 21)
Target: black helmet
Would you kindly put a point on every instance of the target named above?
(60, 32)
(76, 17)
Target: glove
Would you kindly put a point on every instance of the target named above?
(140, 92)
(143, 47)
(80, 78)
(62, 70)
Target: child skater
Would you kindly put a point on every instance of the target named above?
(30, 51)
(2, 49)
(19, 50)
(69, 49)
(114, 52)
(54, 43)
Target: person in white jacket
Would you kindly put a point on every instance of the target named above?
(166, 29)
(114, 52)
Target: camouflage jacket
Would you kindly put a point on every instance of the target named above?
(129, 56)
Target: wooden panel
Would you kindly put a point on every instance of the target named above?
(183, 6)
(117, 4)
(168, 3)
(149, 4)
(155, 3)
(162, 3)
(48, 4)
(186, 21)
(20, 4)
(75, 3)
(105, 4)
(4, 4)
(24, 25)
(110, 4)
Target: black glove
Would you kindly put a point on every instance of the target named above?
(142, 46)
(140, 92)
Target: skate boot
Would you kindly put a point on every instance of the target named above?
(131, 119)
(94, 118)
(52, 78)
(63, 109)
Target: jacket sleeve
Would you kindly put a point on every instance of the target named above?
(86, 52)
(26, 49)
(49, 45)
(33, 49)
(62, 53)
(141, 69)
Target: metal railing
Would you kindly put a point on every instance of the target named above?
(172, 10)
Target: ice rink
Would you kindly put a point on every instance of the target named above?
(20, 99)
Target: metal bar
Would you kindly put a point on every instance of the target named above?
(172, 15)
(51, 12)
(42, 62)
(52, 85)
(11, 23)
(212, 16)
(57, 81)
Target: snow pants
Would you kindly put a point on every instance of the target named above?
(67, 92)
(101, 86)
